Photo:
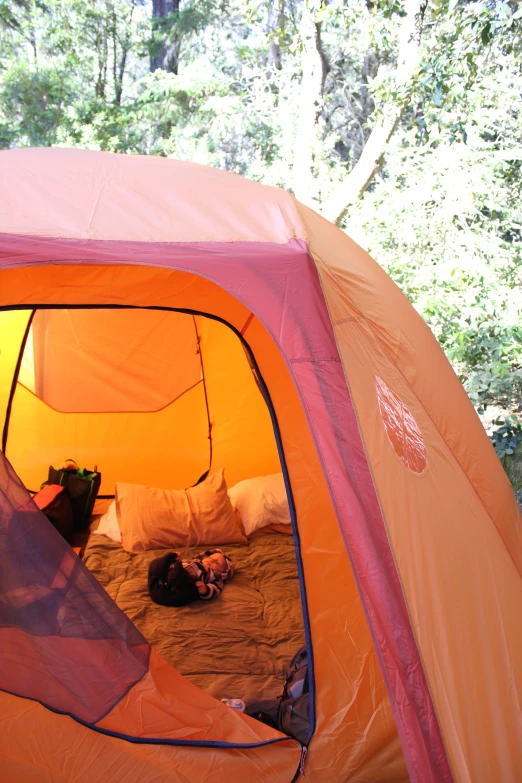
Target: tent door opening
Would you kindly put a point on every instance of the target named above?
(153, 396)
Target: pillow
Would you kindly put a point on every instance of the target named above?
(262, 502)
(163, 518)
(108, 524)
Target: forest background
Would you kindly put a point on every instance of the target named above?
(400, 120)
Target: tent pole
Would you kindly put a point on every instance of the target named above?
(206, 394)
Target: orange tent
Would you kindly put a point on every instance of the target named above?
(293, 349)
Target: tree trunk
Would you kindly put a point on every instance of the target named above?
(166, 56)
(276, 15)
(369, 72)
(125, 46)
(102, 46)
(118, 83)
(372, 156)
(315, 68)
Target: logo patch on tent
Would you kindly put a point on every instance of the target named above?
(401, 428)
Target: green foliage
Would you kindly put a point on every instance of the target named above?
(444, 218)
(33, 102)
(190, 20)
(507, 436)
(443, 215)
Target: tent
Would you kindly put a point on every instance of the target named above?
(407, 533)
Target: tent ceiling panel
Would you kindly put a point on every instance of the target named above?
(110, 361)
(83, 367)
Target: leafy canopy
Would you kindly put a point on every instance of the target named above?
(442, 213)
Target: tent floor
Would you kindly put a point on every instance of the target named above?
(236, 646)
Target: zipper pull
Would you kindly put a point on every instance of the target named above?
(304, 751)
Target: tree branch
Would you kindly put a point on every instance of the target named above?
(371, 158)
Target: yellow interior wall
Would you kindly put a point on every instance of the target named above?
(167, 448)
(243, 439)
(12, 328)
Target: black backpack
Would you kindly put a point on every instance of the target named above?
(294, 709)
(82, 487)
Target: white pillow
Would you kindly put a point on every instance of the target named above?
(260, 502)
(108, 525)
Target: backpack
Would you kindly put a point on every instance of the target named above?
(294, 708)
(81, 486)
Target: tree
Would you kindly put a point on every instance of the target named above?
(165, 43)
(314, 69)
(275, 25)
(401, 111)
(371, 157)
(430, 60)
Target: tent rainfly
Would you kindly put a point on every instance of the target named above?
(204, 320)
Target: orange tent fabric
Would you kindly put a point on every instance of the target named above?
(406, 526)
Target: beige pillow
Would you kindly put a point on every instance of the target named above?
(152, 518)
